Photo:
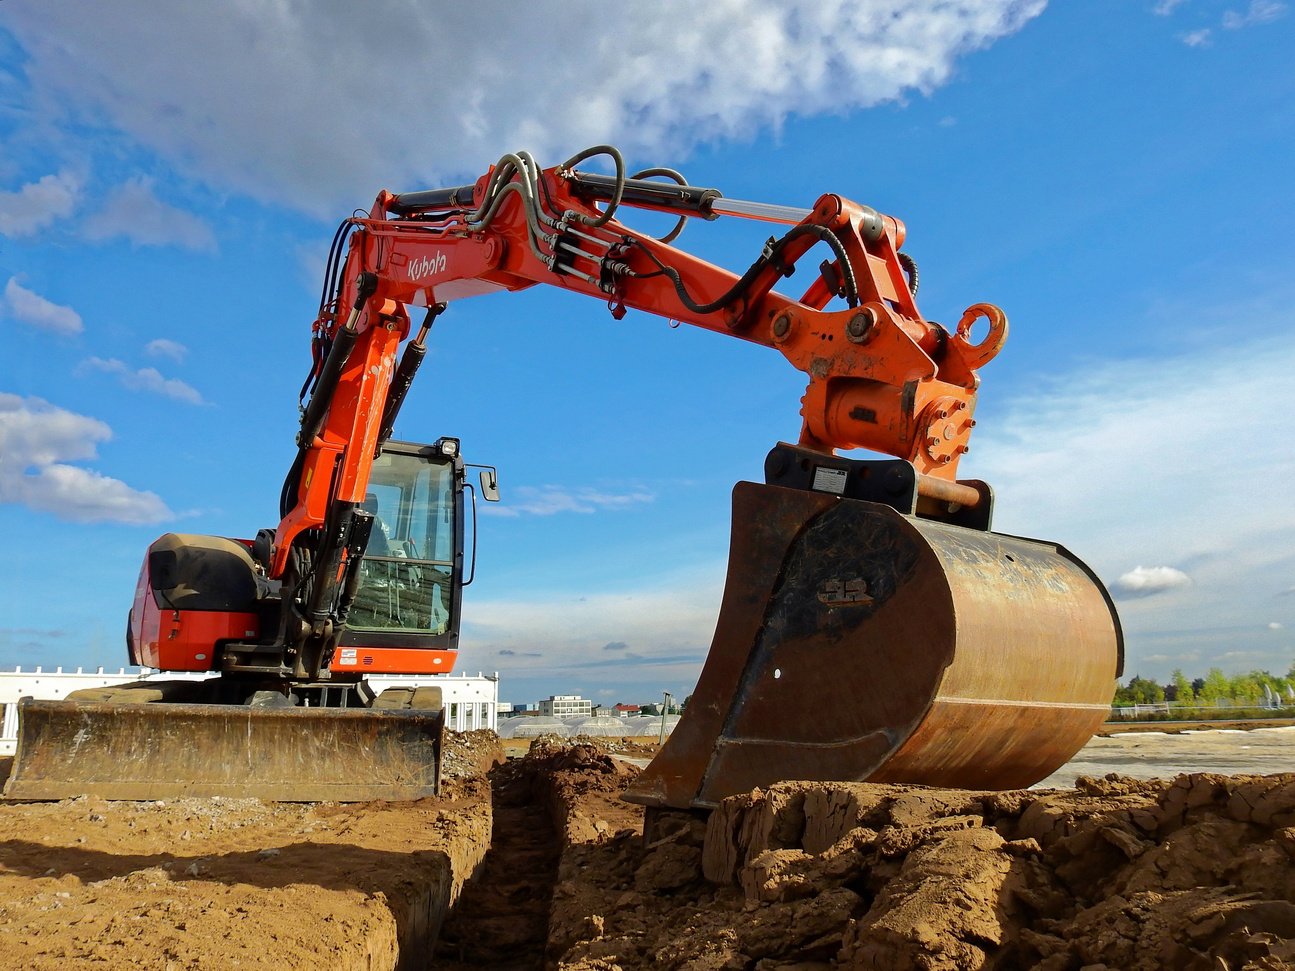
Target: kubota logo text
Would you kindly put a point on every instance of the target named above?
(426, 266)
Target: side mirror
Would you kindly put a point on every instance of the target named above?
(490, 485)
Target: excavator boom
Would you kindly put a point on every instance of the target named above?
(872, 627)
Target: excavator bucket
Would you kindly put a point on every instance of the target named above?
(858, 644)
(165, 750)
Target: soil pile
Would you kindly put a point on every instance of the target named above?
(1192, 873)
(468, 755)
(1189, 873)
(237, 883)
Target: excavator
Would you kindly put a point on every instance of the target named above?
(873, 627)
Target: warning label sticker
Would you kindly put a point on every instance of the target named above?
(829, 480)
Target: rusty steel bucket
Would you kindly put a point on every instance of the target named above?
(164, 750)
(858, 644)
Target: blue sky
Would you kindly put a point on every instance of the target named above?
(1116, 175)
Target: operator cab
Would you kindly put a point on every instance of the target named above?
(413, 566)
(404, 615)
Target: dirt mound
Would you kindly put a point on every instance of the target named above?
(581, 784)
(238, 883)
(469, 755)
(1190, 873)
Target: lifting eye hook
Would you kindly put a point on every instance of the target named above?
(978, 355)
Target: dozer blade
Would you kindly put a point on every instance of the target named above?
(166, 751)
(857, 644)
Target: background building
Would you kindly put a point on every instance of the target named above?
(566, 706)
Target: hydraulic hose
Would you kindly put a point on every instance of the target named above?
(765, 259)
(910, 268)
(614, 154)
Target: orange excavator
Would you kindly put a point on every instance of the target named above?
(873, 627)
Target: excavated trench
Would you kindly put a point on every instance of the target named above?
(539, 865)
(501, 918)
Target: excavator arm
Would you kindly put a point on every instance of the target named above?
(946, 654)
(879, 375)
(872, 626)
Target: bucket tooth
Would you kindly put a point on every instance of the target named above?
(858, 644)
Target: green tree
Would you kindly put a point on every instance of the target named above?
(1215, 688)
(1139, 691)
(1146, 692)
(1246, 688)
(1183, 693)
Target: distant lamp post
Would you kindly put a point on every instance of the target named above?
(665, 708)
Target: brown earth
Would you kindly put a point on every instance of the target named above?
(237, 883)
(1189, 873)
(1196, 872)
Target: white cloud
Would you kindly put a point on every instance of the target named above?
(38, 204)
(287, 102)
(1165, 7)
(1157, 462)
(32, 308)
(1258, 12)
(133, 211)
(164, 347)
(37, 440)
(669, 620)
(1145, 581)
(1099, 451)
(1274, 625)
(144, 379)
(551, 500)
(1197, 38)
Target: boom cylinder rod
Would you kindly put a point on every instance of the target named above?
(669, 196)
(343, 343)
(707, 203)
(764, 211)
(410, 362)
(329, 375)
